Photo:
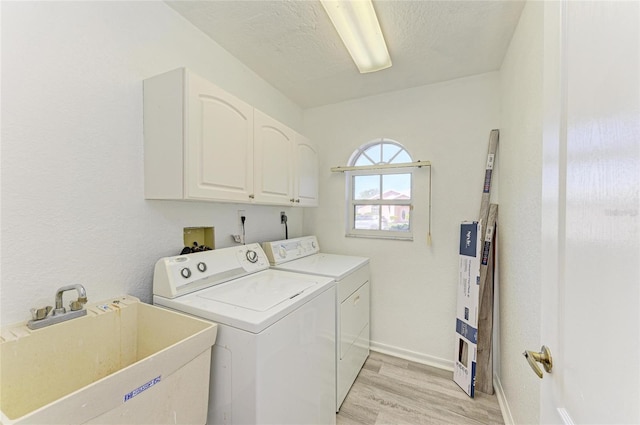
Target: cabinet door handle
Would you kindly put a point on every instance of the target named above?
(291, 200)
(252, 196)
(298, 200)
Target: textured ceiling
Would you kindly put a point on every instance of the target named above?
(293, 46)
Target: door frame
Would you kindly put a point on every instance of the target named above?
(554, 146)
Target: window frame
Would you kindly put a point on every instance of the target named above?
(351, 203)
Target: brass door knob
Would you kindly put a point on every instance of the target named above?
(544, 357)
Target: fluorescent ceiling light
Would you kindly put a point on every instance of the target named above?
(357, 25)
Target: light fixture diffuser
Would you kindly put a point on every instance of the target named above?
(359, 29)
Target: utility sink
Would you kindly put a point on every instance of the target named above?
(124, 362)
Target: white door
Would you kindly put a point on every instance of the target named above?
(306, 179)
(219, 154)
(591, 213)
(273, 159)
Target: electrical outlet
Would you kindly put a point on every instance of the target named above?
(241, 213)
(283, 217)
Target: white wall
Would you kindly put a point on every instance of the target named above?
(519, 237)
(72, 158)
(413, 285)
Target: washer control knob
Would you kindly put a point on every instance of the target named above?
(282, 252)
(202, 267)
(186, 273)
(313, 244)
(252, 256)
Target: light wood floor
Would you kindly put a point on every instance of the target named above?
(389, 390)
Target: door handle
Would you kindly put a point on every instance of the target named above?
(544, 357)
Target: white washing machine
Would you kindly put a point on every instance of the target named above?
(273, 360)
(351, 274)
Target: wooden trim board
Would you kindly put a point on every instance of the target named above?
(484, 362)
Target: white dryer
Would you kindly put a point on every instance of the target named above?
(351, 274)
(273, 361)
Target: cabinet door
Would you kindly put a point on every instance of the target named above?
(218, 157)
(306, 178)
(273, 161)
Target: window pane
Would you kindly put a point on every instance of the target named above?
(395, 218)
(367, 217)
(363, 160)
(402, 157)
(396, 186)
(370, 193)
(366, 187)
(388, 150)
(375, 153)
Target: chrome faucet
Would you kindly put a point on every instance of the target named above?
(75, 305)
(41, 317)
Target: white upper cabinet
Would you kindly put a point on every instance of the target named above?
(198, 140)
(306, 178)
(202, 143)
(273, 161)
(218, 152)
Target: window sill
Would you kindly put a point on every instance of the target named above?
(408, 238)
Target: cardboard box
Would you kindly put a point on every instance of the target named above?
(464, 372)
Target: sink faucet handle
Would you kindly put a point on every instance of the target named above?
(40, 313)
(77, 305)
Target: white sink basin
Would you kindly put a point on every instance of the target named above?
(124, 362)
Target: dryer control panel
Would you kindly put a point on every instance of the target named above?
(279, 252)
(179, 275)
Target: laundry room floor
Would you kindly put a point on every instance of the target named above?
(390, 390)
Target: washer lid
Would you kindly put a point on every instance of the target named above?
(258, 293)
(240, 308)
(332, 265)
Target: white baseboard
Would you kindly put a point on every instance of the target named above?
(502, 401)
(413, 356)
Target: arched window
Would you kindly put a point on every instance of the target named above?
(380, 200)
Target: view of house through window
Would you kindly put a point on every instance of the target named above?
(380, 200)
